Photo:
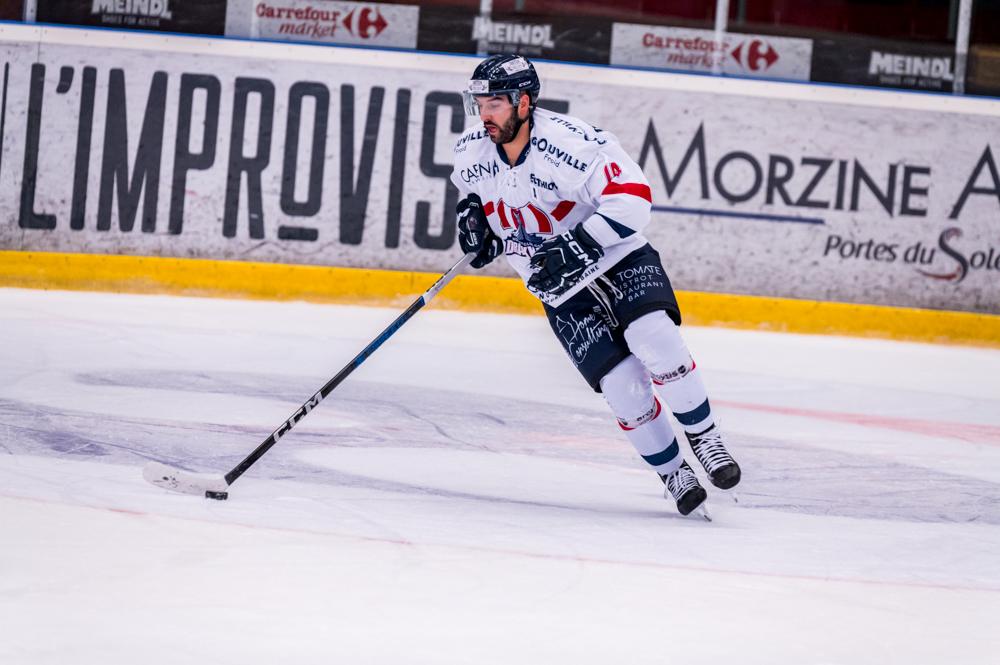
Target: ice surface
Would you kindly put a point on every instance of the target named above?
(465, 498)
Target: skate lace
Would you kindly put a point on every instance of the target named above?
(681, 481)
(710, 451)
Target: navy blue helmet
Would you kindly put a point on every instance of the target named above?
(505, 74)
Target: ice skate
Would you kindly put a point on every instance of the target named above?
(683, 487)
(722, 469)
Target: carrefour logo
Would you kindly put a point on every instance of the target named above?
(754, 55)
(757, 56)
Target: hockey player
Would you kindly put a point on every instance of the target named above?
(567, 206)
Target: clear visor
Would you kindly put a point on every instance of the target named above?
(473, 101)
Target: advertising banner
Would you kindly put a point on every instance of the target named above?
(690, 50)
(300, 154)
(572, 39)
(984, 71)
(12, 10)
(324, 21)
(909, 65)
(205, 17)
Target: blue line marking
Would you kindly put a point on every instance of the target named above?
(705, 212)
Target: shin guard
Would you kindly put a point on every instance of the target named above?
(656, 341)
(629, 393)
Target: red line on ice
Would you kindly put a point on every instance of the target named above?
(989, 434)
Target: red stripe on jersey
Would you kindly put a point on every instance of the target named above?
(655, 416)
(633, 188)
(503, 217)
(488, 208)
(563, 209)
(544, 226)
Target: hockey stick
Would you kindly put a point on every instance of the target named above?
(215, 486)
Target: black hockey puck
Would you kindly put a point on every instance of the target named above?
(219, 496)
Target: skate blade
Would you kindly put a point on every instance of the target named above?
(702, 511)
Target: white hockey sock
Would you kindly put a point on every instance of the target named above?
(629, 393)
(656, 340)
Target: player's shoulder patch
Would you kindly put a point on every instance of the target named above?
(568, 145)
(475, 156)
(573, 130)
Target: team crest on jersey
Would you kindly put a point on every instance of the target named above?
(523, 217)
(522, 243)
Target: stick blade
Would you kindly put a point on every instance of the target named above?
(185, 482)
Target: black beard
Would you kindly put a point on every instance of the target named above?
(508, 131)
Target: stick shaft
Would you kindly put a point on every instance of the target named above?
(313, 401)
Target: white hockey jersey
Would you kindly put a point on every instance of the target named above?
(570, 173)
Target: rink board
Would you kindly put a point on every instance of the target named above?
(136, 144)
(242, 279)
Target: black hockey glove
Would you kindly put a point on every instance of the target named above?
(560, 261)
(474, 232)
